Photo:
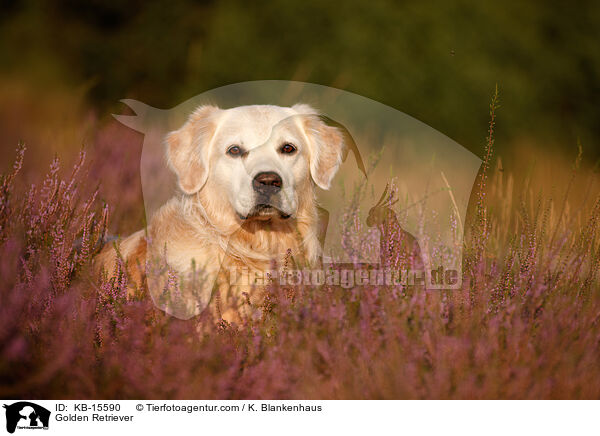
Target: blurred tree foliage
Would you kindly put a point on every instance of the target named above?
(437, 61)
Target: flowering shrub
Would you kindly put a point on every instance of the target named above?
(525, 324)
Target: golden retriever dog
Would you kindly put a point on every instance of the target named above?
(247, 179)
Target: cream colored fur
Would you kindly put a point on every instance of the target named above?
(210, 222)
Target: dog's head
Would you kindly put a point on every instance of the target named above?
(257, 162)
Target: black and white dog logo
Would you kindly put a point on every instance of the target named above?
(26, 415)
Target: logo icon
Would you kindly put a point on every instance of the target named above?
(414, 232)
(26, 415)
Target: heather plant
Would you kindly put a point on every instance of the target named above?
(524, 325)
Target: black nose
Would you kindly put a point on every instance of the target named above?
(267, 183)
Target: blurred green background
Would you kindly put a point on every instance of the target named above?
(437, 61)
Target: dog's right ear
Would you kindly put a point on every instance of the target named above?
(188, 149)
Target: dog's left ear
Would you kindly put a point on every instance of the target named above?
(327, 145)
(188, 149)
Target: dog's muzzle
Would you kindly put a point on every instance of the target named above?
(266, 186)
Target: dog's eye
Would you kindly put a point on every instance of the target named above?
(287, 148)
(234, 150)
